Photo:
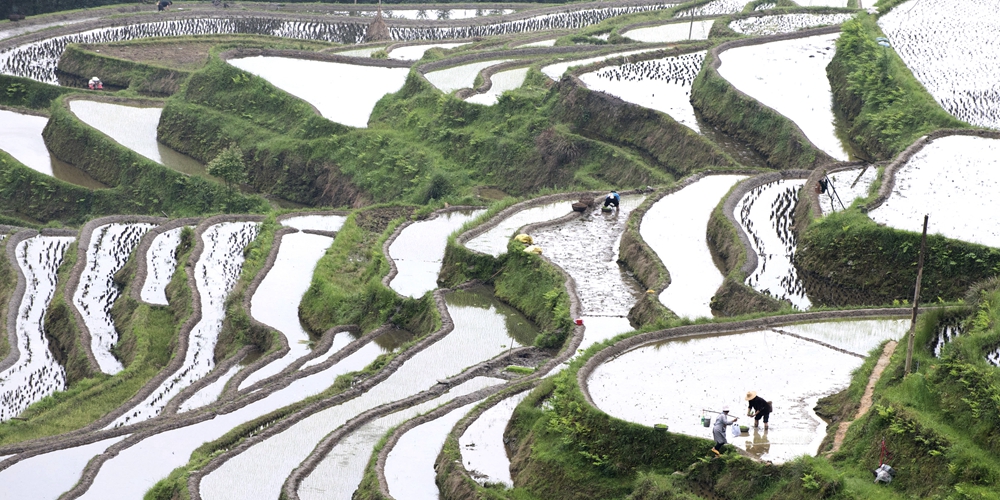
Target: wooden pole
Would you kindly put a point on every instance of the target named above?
(916, 298)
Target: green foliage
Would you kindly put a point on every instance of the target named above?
(27, 93)
(229, 166)
(532, 286)
(380, 54)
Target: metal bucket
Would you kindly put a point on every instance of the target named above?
(705, 421)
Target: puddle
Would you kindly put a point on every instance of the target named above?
(325, 84)
(459, 77)
(660, 84)
(161, 262)
(587, 249)
(331, 223)
(954, 180)
(714, 8)
(555, 71)
(216, 272)
(410, 466)
(857, 336)
(672, 382)
(21, 137)
(675, 228)
(673, 32)
(276, 301)
(51, 474)
(953, 52)
(848, 185)
(110, 246)
(135, 128)
(416, 52)
(338, 475)
(419, 249)
(260, 471)
(483, 452)
(767, 213)
(210, 393)
(494, 241)
(501, 82)
(790, 77)
(35, 374)
(154, 458)
(785, 23)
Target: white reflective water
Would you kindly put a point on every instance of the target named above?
(673, 32)
(45, 477)
(21, 137)
(210, 393)
(848, 185)
(161, 262)
(501, 82)
(555, 71)
(343, 93)
(494, 241)
(331, 223)
(415, 52)
(459, 77)
(483, 451)
(419, 249)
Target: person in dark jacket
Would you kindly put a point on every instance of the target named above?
(162, 4)
(758, 409)
(612, 199)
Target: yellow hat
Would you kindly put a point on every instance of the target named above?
(751, 395)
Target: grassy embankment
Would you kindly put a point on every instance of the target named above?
(61, 328)
(8, 282)
(147, 342)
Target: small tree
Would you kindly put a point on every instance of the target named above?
(229, 167)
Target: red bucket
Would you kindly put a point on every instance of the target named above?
(579, 322)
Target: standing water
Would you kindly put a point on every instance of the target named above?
(419, 249)
(484, 453)
(35, 373)
(161, 262)
(21, 137)
(494, 241)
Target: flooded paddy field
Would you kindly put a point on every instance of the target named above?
(415, 52)
(479, 334)
(494, 241)
(555, 71)
(502, 81)
(766, 214)
(482, 444)
(135, 128)
(419, 249)
(161, 262)
(110, 247)
(953, 52)
(660, 84)
(714, 8)
(339, 474)
(21, 137)
(215, 274)
(672, 32)
(790, 77)
(48, 475)
(848, 185)
(954, 180)
(675, 229)
(785, 23)
(459, 77)
(35, 373)
(669, 382)
(324, 84)
(328, 223)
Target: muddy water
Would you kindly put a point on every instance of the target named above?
(21, 137)
(331, 223)
(674, 32)
(660, 84)
(343, 93)
(766, 214)
(409, 468)
(483, 452)
(216, 272)
(153, 458)
(954, 180)
(135, 128)
(45, 477)
(494, 241)
(276, 301)
(675, 229)
(340, 473)
(848, 185)
(110, 247)
(672, 382)
(415, 52)
(161, 262)
(419, 249)
(460, 77)
(501, 82)
(790, 77)
(260, 471)
(587, 249)
(555, 71)
(36, 373)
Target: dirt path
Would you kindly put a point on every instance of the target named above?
(866, 399)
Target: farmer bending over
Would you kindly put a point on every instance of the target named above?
(758, 409)
(162, 5)
(612, 199)
(719, 430)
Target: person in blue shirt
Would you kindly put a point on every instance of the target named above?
(612, 199)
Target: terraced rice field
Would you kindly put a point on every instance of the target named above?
(21, 137)
(494, 241)
(672, 32)
(459, 77)
(785, 23)
(555, 71)
(848, 185)
(484, 453)
(502, 82)
(419, 249)
(415, 52)
(161, 262)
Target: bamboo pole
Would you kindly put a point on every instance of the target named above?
(916, 298)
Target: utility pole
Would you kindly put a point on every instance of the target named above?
(916, 298)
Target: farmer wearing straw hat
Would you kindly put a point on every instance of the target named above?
(758, 409)
(719, 430)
